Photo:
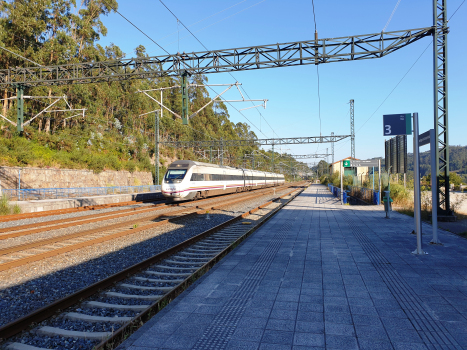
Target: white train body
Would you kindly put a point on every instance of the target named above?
(186, 179)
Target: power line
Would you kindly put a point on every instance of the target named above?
(14, 53)
(153, 42)
(173, 14)
(392, 14)
(136, 27)
(390, 93)
(215, 14)
(317, 73)
(456, 10)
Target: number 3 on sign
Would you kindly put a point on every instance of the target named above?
(388, 129)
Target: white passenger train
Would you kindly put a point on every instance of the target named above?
(186, 179)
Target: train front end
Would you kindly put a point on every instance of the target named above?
(174, 183)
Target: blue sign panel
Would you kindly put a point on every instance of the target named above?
(397, 124)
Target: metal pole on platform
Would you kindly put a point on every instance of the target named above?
(416, 173)
(434, 190)
(342, 183)
(373, 179)
(379, 176)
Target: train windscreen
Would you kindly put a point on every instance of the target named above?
(175, 174)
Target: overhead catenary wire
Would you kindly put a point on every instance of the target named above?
(147, 36)
(317, 72)
(24, 58)
(204, 46)
(215, 14)
(426, 48)
(134, 25)
(392, 14)
(390, 93)
(462, 3)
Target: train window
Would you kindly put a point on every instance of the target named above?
(197, 177)
(175, 174)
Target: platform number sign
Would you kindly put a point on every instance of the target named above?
(397, 124)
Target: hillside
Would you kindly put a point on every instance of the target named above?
(457, 161)
(117, 132)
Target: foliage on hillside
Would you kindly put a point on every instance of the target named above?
(457, 161)
(115, 132)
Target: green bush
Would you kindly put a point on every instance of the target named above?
(6, 208)
(399, 194)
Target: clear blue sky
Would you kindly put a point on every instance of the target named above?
(292, 109)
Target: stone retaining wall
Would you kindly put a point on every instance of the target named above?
(67, 178)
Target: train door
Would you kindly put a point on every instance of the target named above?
(245, 179)
(224, 179)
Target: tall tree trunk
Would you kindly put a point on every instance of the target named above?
(40, 125)
(5, 102)
(47, 125)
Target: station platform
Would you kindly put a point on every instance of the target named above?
(319, 275)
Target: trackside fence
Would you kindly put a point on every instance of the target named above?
(365, 194)
(336, 191)
(74, 192)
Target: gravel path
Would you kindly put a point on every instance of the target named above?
(27, 288)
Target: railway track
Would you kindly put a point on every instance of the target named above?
(14, 217)
(102, 314)
(21, 254)
(10, 256)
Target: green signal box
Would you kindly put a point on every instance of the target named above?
(346, 163)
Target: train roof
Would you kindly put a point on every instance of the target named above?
(190, 163)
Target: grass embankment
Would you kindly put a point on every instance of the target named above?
(6, 208)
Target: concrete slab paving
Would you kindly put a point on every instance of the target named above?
(319, 275)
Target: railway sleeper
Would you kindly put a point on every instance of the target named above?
(153, 280)
(54, 331)
(184, 262)
(196, 254)
(165, 267)
(101, 305)
(219, 240)
(75, 316)
(191, 258)
(133, 296)
(134, 286)
(171, 274)
(204, 250)
(21, 346)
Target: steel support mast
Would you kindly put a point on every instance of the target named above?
(352, 130)
(332, 150)
(440, 80)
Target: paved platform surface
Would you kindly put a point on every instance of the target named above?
(323, 276)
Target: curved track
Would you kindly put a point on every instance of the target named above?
(128, 297)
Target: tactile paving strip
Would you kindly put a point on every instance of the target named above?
(431, 330)
(218, 334)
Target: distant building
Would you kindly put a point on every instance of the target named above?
(361, 170)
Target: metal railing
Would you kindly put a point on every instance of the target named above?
(365, 194)
(74, 192)
(336, 191)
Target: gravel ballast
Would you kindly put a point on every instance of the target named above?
(27, 288)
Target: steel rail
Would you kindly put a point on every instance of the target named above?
(102, 229)
(13, 217)
(45, 312)
(63, 223)
(120, 335)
